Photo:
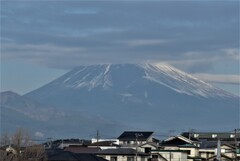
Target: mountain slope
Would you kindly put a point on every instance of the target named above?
(142, 96)
(18, 111)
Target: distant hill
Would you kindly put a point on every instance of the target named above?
(45, 121)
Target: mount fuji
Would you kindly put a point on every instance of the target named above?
(117, 97)
(143, 96)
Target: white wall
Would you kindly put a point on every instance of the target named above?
(124, 158)
(175, 156)
(94, 140)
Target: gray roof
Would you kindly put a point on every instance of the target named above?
(213, 144)
(69, 156)
(85, 150)
(132, 135)
(120, 151)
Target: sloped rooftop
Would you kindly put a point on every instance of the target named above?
(132, 135)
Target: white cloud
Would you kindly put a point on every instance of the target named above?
(40, 51)
(39, 134)
(144, 42)
(219, 78)
(232, 53)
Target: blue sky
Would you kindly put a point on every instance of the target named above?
(41, 40)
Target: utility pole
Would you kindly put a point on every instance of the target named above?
(190, 133)
(97, 138)
(136, 134)
(170, 157)
(236, 146)
(219, 150)
(62, 144)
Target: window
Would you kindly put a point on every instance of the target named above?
(113, 159)
(147, 150)
(188, 152)
(130, 158)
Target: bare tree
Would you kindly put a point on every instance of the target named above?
(5, 139)
(24, 148)
(34, 153)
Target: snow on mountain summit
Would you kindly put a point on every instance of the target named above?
(104, 76)
(141, 95)
(181, 82)
(88, 77)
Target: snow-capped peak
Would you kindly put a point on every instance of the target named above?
(101, 76)
(88, 77)
(180, 81)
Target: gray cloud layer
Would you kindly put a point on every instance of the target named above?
(191, 35)
(226, 79)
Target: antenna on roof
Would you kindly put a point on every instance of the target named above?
(236, 143)
(219, 150)
(62, 144)
(190, 133)
(97, 137)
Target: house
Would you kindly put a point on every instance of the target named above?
(104, 145)
(70, 142)
(133, 138)
(208, 151)
(209, 143)
(123, 154)
(181, 143)
(148, 147)
(169, 155)
(94, 140)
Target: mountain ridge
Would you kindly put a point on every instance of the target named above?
(19, 111)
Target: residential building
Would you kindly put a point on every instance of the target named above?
(169, 155)
(183, 144)
(123, 154)
(104, 145)
(133, 138)
(208, 151)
